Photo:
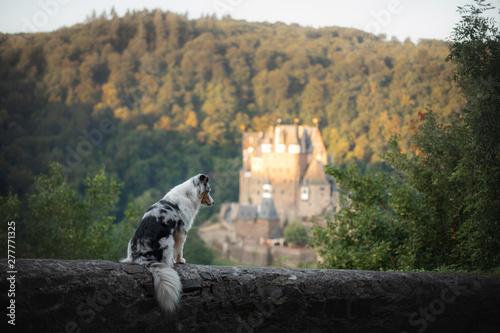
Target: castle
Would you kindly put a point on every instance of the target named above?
(282, 180)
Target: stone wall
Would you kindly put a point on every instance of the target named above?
(104, 296)
(292, 257)
(253, 255)
(253, 230)
(217, 234)
(257, 255)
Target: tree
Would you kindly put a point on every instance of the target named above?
(408, 218)
(367, 233)
(476, 52)
(9, 212)
(122, 232)
(313, 100)
(171, 85)
(296, 233)
(62, 224)
(439, 206)
(427, 195)
(195, 250)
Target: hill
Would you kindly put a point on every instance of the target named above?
(156, 97)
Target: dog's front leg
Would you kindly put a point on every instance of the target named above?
(180, 238)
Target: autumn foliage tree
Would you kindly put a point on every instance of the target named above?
(178, 92)
(167, 81)
(439, 206)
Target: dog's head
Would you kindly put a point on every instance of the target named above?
(204, 190)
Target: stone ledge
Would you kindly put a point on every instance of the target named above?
(105, 296)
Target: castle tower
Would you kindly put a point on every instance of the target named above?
(315, 191)
(267, 189)
(268, 217)
(280, 156)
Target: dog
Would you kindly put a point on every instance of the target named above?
(159, 239)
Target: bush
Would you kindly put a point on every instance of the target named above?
(195, 250)
(62, 224)
(295, 233)
(439, 206)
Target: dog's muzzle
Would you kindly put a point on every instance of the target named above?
(206, 199)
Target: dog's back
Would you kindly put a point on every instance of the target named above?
(154, 236)
(159, 239)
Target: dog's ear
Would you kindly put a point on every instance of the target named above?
(203, 179)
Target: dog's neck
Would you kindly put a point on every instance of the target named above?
(185, 196)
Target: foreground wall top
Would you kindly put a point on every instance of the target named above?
(104, 296)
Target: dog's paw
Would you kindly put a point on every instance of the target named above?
(181, 261)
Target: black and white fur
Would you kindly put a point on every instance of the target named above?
(159, 239)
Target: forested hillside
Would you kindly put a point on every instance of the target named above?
(156, 97)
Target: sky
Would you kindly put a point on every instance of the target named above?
(417, 19)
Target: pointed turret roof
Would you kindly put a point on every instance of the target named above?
(317, 141)
(315, 174)
(247, 213)
(268, 210)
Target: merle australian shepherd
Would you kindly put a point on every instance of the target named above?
(159, 239)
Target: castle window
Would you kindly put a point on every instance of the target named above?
(266, 148)
(294, 149)
(267, 189)
(304, 193)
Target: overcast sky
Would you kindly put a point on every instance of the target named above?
(400, 18)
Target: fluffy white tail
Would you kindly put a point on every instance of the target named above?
(168, 286)
(129, 253)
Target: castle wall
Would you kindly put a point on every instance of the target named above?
(109, 296)
(278, 155)
(284, 175)
(246, 187)
(252, 230)
(284, 172)
(251, 191)
(319, 199)
(215, 237)
(256, 255)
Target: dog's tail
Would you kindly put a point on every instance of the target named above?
(168, 286)
(129, 253)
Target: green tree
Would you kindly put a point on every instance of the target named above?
(426, 195)
(476, 52)
(62, 224)
(195, 83)
(9, 207)
(367, 233)
(406, 219)
(195, 250)
(9, 211)
(122, 232)
(443, 197)
(296, 233)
